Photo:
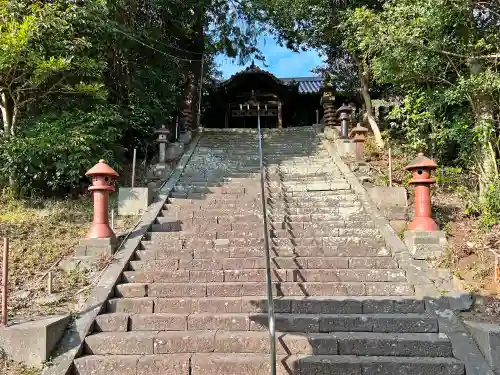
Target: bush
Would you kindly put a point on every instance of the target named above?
(55, 150)
(487, 208)
(450, 178)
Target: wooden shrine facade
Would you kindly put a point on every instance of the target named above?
(285, 102)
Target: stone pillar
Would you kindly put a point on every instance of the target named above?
(280, 116)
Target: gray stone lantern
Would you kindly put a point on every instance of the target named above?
(163, 134)
(345, 115)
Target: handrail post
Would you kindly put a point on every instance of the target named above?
(5, 280)
(270, 302)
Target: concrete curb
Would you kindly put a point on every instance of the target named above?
(71, 344)
(464, 347)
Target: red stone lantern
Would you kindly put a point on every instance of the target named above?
(421, 168)
(358, 135)
(103, 177)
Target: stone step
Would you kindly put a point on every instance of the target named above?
(345, 214)
(279, 203)
(203, 195)
(341, 343)
(202, 226)
(175, 232)
(227, 218)
(308, 323)
(148, 261)
(305, 170)
(170, 249)
(215, 204)
(249, 205)
(259, 364)
(258, 304)
(281, 179)
(316, 218)
(193, 203)
(212, 190)
(240, 289)
(214, 243)
(259, 275)
(331, 213)
(312, 199)
(326, 194)
(316, 187)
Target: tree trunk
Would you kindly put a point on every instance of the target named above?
(367, 100)
(187, 105)
(8, 114)
(194, 73)
(486, 154)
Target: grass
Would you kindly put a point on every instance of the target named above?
(13, 368)
(42, 233)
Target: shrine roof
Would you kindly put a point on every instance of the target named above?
(304, 85)
(307, 85)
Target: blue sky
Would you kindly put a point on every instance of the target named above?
(280, 61)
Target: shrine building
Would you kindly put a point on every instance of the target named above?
(283, 102)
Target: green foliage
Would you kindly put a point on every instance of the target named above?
(487, 207)
(43, 50)
(58, 58)
(424, 123)
(55, 150)
(450, 178)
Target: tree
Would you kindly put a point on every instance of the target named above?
(315, 24)
(216, 26)
(446, 51)
(40, 54)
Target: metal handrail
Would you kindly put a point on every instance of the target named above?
(270, 302)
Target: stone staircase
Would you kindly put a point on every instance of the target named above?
(194, 299)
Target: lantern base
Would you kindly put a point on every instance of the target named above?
(95, 247)
(423, 224)
(425, 245)
(100, 231)
(345, 147)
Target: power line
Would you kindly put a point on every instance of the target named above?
(175, 47)
(155, 49)
(157, 41)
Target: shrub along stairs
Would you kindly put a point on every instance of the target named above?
(194, 299)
